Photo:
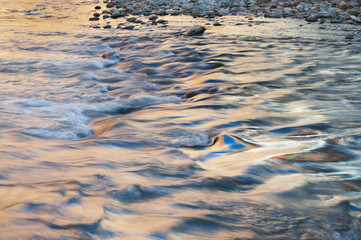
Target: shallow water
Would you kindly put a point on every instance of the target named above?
(246, 132)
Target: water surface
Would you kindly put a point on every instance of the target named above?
(245, 132)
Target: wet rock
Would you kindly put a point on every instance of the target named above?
(162, 21)
(355, 19)
(311, 18)
(114, 56)
(175, 13)
(161, 12)
(343, 5)
(152, 18)
(196, 30)
(94, 19)
(128, 27)
(275, 14)
(132, 19)
(117, 14)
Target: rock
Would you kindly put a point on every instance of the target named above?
(343, 5)
(161, 12)
(289, 12)
(128, 27)
(275, 14)
(217, 24)
(98, 7)
(96, 14)
(196, 30)
(311, 18)
(162, 21)
(355, 19)
(152, 18)
(117, 13)
(175, 13)
(107, 26)
(94, 19)
(114, 56)
(132, 19)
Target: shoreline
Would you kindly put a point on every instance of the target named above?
(333, 11)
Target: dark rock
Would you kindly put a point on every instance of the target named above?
(196, 30)
(107, 26)
(161, 12)
(98, 7)
(152, 18)
(162, 21)
(106, 16)
(118, 13)
(112, 56)
(175, 13)
(132, 19)
(128, 27)
(94, 19)
(217, 24)
(96, 15)
(311, 19)
(191, 94)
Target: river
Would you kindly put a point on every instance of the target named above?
(249, 131)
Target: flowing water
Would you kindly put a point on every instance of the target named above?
(246, 132)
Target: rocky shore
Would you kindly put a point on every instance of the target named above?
(332, 11)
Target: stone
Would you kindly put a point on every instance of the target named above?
(117, 13)
(96, 14)
(128, 27)
(152, 18)
(311, 18)
(175, 13)
(162, 21)
(132, 19)
(94, 19)
(196, 30)
(161, 12)
(107, 26)
(217, 24)
(114, 56)
(98, 7)
(355, 19)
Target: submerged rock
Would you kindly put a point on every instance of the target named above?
(196, 30)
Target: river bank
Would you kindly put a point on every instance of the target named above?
(334, 11)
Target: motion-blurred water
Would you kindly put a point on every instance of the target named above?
(246, 132)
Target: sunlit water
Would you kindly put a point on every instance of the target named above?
(246, 132)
